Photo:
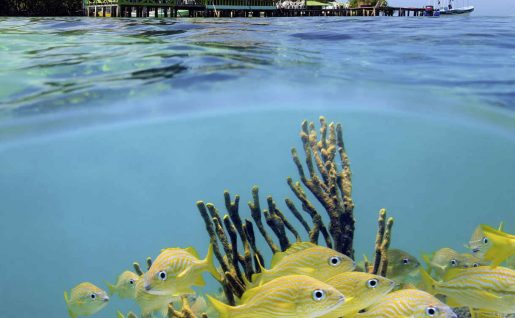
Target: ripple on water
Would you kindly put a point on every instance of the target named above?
(85, 62)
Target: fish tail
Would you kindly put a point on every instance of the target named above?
(66, 298)
(428, 281)
(222, 309)
(211, 268)
(111, 288)
(500, 248)
(427, 259)
(72, 315)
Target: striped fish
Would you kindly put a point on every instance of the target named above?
(85, 299)
(401, 265)
(479, 243)
(125, 285)
(176, 270)
(447, 258)
(408, 303)
(288, 296)
(360, 290)
(304, 258)
(478, 287)
(150, 303)
(502, 245)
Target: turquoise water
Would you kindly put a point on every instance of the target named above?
(110, 130)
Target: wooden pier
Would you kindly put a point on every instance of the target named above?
(233, 8)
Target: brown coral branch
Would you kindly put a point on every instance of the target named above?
(137, 268)
(296, 213)
(255, 211)
(235, 256)
(258, 257)
(307, 206)
(381, 226)
(385, 245)
(213, 238)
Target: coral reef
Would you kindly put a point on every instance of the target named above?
(327, 180)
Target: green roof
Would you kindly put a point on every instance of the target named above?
(310, 3)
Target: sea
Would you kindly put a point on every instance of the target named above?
(112, 129)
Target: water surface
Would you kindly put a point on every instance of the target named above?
(111, 129)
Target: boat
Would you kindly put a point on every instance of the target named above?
(430, 11)
(451, 9)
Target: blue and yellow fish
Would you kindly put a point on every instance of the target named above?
(85, 299)
(304, 258)
(293, 296)
(477, 287)
(176, 270)
(408, 303)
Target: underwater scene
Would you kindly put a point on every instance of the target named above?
(282, 175)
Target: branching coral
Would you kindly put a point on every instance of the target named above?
(383, 238)
(328, 180)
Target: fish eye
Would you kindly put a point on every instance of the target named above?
(131, 281)
(93, 296)
(405, 261)
(161, 275)
(372, 283)
(335, 261)
(485, 240)
(431, 311)
(475, 265)
(318, 295)
(454, 262)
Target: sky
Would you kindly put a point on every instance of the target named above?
(482, 7)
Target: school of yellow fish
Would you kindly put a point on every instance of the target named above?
(308, 281)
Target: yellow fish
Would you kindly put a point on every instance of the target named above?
(150, 303)
(360, 291)
(304, 258)
(85, 299)
(176, 270)
(447, 258)
(478, 287)
(287, 296)
(400, 265)
(125, 285)
(502, 245)
(408, 303)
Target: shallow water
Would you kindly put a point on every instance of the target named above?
(110, 130)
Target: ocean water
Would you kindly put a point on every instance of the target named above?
(112, 129)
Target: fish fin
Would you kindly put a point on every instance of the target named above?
(276, 258)
(255, 278)
(294, 248)
(111, 288)
(501, 226)
(199, 281)
(66, 298)
(246, 281)
(192, 251)
(211, 268)
(428, 281)
(119, 314)
(501, 247)
(72, 315)
(426, 259)
(222, 309)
